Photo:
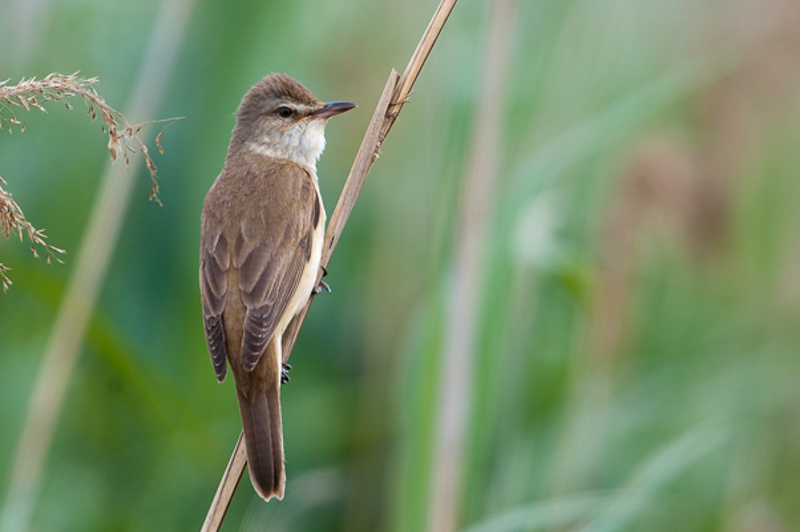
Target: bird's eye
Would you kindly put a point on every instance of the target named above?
(285, 112)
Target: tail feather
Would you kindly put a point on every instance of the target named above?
(263, 436)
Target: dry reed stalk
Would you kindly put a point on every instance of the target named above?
(464, 297)
(90, 269)
(395, 94)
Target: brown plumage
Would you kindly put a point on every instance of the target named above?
(261, 239)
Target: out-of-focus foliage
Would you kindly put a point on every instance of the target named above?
(640, 318)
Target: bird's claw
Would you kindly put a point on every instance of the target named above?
(320, 287)
(285, 373)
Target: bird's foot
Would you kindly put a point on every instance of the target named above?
(285, 373)
(322, 286)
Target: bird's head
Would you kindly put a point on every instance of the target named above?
(280, 118)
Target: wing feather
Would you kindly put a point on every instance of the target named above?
(270, 269)
(214, 264)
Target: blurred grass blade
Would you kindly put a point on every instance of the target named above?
(663, 467)
(556, 513)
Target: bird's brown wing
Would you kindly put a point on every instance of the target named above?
(214, 264)
(271, 251)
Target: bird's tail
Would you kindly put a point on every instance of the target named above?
(263, 436)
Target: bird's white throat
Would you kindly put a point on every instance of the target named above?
(303, 143)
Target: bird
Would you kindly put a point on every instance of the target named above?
(261, 237)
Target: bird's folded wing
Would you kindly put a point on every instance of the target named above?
(214, 264)
(271, 251)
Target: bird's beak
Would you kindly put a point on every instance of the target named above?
(332, 109)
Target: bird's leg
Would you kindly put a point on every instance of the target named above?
(322, 284)
(285, 373)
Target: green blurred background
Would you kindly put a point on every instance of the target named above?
(638, 312)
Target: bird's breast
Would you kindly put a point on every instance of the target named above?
(308, 278)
